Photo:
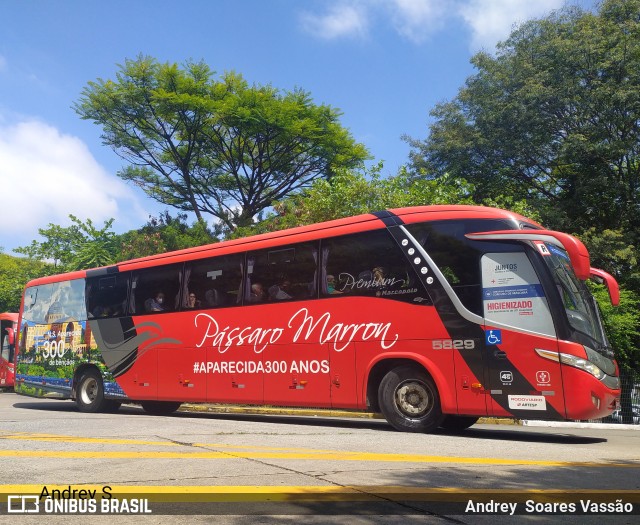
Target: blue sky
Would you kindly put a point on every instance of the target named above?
(383, 63)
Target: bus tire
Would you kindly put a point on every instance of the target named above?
(90, 392)
(409, 400)
(456, 423)
(160, 408)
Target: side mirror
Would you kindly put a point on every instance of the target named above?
(609, 281)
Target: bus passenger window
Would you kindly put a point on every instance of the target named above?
(369, 264)
(282, 274)
(155, 290)
(457, 257)
(106, 296)
(213, 283)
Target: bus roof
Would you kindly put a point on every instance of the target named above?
(354, 224)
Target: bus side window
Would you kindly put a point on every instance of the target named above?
(106, 295)
(54, 301)
(284, 273)
(155, 290)
(213, 283)
(368, 264)
(457, 257)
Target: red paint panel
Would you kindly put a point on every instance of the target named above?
(140, 382)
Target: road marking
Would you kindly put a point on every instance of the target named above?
(256, 452)
(23, 436)
(328, 456)
(54, 438)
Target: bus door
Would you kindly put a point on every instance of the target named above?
(518, 321)
(6, 357)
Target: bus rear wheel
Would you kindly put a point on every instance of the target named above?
(160, 408)
(458, 423)
(409, 400)
(90, 392)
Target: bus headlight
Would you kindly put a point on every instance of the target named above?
(582, 364)
(572, 360)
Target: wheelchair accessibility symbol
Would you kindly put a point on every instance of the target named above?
(493, 337)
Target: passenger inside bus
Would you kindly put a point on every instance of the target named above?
(155, 304)
(331, 285)
(279, 292)
(192, 301)
(101, 311)
(257, 293)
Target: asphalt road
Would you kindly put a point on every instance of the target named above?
(278, 468)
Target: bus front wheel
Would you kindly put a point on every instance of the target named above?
(409, 400)
(160, 408)
(90, 392)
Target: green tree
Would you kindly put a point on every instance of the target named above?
(622, 324)
(553, 118)
(354, 192)
(57, 246)
(15, 272)
(215, 146)
(162, 234)
(74, 247)
(612, 249)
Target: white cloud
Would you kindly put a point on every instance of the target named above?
(46, 175)
(487, 21)
(417, 19)
(342, 20)
(493, 20)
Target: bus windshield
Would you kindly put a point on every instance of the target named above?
(579, 304)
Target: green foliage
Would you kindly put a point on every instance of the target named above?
(551, 118)
(162, 234)
(351, 193)
(215, 146)
(97, 247)
(15, 272)
(622, 324)
(74, 247)
(612, 251)
(57, 247)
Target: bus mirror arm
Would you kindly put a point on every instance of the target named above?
(610, 282)
(577, 251)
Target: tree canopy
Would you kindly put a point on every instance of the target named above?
(352, 192)
(553, 117)
(163, 234)
(216, 147)
(15, 272)
(74, 247)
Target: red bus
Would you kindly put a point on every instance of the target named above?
(433, 316)
(8, 326)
